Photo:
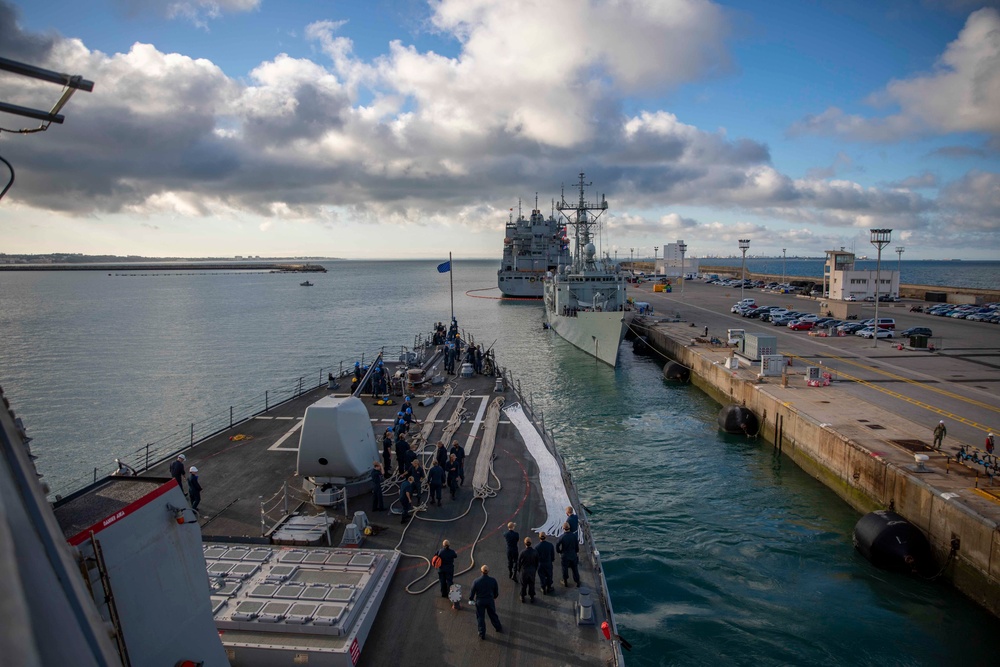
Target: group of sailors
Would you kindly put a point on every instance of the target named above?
(538, 560)
(447, 468)
(378, 384)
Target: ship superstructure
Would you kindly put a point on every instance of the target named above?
(531, 247)
(585, 300)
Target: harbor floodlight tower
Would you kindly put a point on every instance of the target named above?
(744, 246)
(899, 268)
(783, 266)
(880, 238)
(683, 248)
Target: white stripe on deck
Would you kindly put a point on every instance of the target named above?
(276, 447)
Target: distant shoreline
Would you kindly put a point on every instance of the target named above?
(275, 266)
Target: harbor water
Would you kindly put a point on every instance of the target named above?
(717, 551)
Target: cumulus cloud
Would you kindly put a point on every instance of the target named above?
(961, 93)
(409, 137)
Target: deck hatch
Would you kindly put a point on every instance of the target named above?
(273, 612)
(264, 590)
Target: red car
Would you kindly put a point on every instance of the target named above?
(799, 325)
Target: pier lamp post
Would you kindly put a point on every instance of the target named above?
(899, 269)
(631, 252)
(656, 249)
(744, 245)
(783, 266)
(683, 248)
(880, 239)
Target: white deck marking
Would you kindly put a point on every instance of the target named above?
(276, 447)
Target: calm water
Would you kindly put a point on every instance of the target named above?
(717, 551)
(975, 274)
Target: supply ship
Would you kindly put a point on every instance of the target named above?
(585, 301)
(531, 247)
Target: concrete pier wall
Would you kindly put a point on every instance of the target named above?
(865, 478)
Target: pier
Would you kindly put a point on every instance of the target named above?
(860, 434)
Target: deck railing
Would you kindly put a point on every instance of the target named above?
(185, 436)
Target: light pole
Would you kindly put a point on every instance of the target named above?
(880, 239)
(683, 248)
(899, 269)
(744, 245)
(631, 251)
(656, 249)
(782, 267)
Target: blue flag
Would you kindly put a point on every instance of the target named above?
(444, 267)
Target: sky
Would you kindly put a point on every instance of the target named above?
(372, 129)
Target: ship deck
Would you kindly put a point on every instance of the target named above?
(247, 467)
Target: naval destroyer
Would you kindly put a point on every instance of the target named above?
(585, 300)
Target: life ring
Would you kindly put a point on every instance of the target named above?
(532, 279)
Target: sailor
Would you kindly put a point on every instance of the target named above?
(387, 450)
(989, 443)
(484, 591)
(446, 570)
(459, 452)
(573, 520)
(177, 471)
(477, 361)
(511, 537)
(406, 499)
(441, 454)
(330, 382)
(527, 565)
(451, 470)
(435, 480)
(449, 358)
(378, 503)
(194, 488)
(418, 475)
(402, 446)
(569, 547)
(546, 557)
(939, 432)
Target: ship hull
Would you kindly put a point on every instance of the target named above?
(524, 288)
(597, 334)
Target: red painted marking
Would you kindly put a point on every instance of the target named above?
(111, 519)
(355, 651)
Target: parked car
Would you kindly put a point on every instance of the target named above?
(851, 327)
(851, 298)
(916, 331)
(784, 319)
(800, 325)
(869, 332)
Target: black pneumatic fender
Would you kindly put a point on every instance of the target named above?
(675, 371)
(890, 542)
(640, 346)
(738, 419)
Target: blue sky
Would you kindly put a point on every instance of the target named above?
(409, 129)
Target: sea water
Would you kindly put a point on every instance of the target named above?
(717, 551)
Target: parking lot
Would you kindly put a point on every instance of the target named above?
(959, 380)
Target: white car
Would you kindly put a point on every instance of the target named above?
(851, 298)
(869, 332)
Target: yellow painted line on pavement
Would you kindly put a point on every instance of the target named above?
(989, 495)
(912, 401)
(943, 392)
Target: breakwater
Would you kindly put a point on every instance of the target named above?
(133, 267)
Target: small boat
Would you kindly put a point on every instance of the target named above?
(306, 284)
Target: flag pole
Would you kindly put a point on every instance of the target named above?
(451, 283)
